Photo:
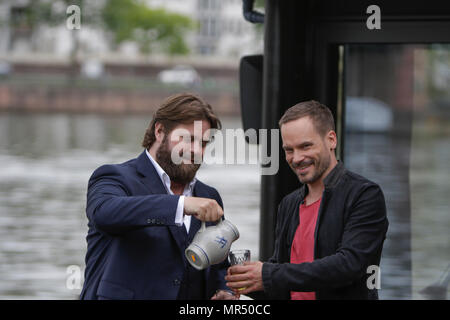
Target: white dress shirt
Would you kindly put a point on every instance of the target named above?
(188, 191)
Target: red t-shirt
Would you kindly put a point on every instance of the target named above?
(303, 244)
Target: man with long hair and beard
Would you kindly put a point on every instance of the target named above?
(144, 213)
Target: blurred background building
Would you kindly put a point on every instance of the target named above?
(30, 28)
(193, 43)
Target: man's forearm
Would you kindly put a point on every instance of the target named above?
(114, 214)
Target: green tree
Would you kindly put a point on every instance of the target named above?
(151, 29)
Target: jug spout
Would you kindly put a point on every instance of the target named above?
(233, 229)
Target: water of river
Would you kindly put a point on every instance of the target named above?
(45, 163)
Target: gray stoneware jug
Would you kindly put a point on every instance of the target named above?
(211, 245)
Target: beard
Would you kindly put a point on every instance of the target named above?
(180, 173)
(321, 164)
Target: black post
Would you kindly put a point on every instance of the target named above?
(271, 97)
(284, 84)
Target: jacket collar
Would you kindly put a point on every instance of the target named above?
(150, 176)
(333, 177)
(330, 181)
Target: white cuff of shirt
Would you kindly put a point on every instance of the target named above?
(179, 215)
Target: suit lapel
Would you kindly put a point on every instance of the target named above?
(151, 179)
(149, 176)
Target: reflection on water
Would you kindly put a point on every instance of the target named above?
(45, 163)
(397, 134)
(382, 159)
(416, 252)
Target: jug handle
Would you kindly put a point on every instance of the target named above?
(203, 227)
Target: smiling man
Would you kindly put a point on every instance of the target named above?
(143, 213)
(329, 231)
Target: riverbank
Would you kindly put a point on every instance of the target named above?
(102, 100)
(120, 89)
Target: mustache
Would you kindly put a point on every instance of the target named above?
(303, 163)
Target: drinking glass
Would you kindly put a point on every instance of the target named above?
(239, 256)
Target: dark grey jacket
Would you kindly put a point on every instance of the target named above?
(349, 235)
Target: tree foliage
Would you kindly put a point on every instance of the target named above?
(150, 28)
(126, 20)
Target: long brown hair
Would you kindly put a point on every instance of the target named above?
(180, 108)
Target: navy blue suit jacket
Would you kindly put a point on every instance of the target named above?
(134, 248)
